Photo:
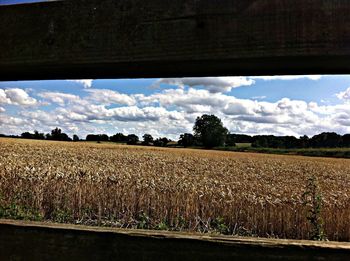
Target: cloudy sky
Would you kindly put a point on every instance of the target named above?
(279, 105)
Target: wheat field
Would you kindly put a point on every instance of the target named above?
(173, 189)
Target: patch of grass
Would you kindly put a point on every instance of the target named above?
(143, 221)
(311, 152)
(162, 226)
(62, 216)
(19, 212)
(313, 201)
(219, 225)
(243, 145)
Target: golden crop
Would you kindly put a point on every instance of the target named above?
(179, 189)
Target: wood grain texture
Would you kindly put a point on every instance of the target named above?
(160, 38)
(44, 241)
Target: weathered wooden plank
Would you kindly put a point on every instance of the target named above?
(45, 241)
(137, 38)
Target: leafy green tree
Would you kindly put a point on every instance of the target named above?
(75, 137)
(187, 140)
(104, 137)
(304, 141)
(230, 140)
(147, 139)
(27, 135)
(260, 141)
(346, 140)
(57, 134)
(97, 137)
(38, 136)
(161, 142)
(326, 140)
(240, 138)
(119, 137)
(132, 139)
(209, 130)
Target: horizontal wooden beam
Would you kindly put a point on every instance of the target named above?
(44, 241)
(166, 38)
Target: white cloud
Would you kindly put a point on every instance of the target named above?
(2, 109)
(91, 112)
(108, 97)
(3, 97)
(345, 95)
(169, 112)
(286, 116)
(87, 83)
(143, 114)
(212, 84)
(69, 115)
(226, 84)
(39, 117)
(16, 96)
(185, 99)
(59, 98)
(11, 125)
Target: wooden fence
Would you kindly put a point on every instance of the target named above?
(159, 38)
(44, 241)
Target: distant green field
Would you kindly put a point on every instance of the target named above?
(246, 147)
(243, 145)
(313, 152)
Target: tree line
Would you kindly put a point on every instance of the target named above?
(322, 140)
(208, 132)
(131, 139)
(56, 134)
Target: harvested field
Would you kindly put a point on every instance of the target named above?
(171, 189)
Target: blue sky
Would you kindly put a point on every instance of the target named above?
(280, 105)
(6, 2)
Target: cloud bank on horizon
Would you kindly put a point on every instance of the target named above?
(279, 105)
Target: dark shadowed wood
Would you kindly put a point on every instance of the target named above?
(138, 38)
(45, 241)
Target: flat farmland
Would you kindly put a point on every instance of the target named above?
(124, 186)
